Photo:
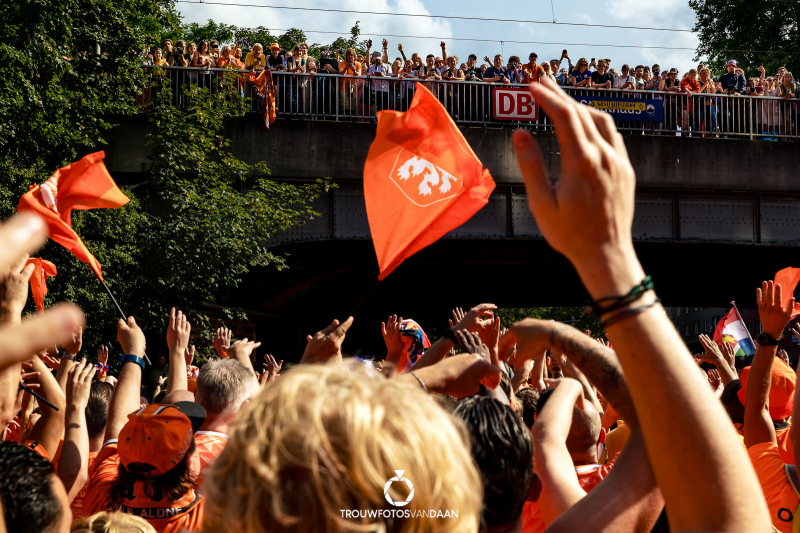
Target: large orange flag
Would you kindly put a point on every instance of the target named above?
(42, 268)
(788, 278)
(421, 180)
(82, 185)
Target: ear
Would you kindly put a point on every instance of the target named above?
(535, 490)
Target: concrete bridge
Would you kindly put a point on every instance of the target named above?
(713, 218)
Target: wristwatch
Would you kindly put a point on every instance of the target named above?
(766, 340)
(450, 335)
(62, 353)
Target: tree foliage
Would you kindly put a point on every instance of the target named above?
(200, 219)
(574, 316)
(767, 30)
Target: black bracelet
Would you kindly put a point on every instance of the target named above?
(450, 335)
(622, 315)
(619, 302)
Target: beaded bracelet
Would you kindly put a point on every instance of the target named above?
(620, 301)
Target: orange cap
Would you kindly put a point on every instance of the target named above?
(275, 45)
(155, 439)
(781, 392)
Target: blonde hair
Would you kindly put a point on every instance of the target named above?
(108, 522)
(257, 45)
(326, 439)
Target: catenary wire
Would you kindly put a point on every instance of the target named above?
(483, 19)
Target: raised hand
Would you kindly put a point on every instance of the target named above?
(713, 353)
(400, 47)
(393, 337)
(471, 343)
(729, 355)
(222, 341)
(385, 43)
(458, 316)
(326, 345)
(73, 345)
(475, 319)
(774, 316)
(531, 337)
(271, 368)
(14, 290)
(189, 355)
(79, 384)
(783, 356)
(178, 332)
(492, 336)
(241, 350)
(131, 337)
(102, 355)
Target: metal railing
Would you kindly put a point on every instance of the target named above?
(334, 97)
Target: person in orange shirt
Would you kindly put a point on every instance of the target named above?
(148, 464)
(224, 386)
(531, 70)
(779, 481)
(348, 86)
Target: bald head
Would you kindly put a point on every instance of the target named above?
(584, 432)
(178, 396)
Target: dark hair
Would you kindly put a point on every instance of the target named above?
(97, 408)
(26, 490)
(505, 384)
(430, 55)
(503, 452)
(446, 402)
(174, 484)
(528, 398)
(472, 56)
(730, 399)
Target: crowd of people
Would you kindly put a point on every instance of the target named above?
(688, 97)
(531, 428)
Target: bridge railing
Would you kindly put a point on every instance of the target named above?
(334, 97)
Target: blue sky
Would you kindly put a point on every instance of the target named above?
(662, 14)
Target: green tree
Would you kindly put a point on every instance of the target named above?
(767, 31)
(574, 316)
(291, 38)
(210, 31)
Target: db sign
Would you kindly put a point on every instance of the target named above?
(514, 103)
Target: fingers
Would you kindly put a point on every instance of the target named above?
(330, 329)
(21, 234)
(343, 327)
(54, 326)
(534, 173)
(172, 318)
(563, 111)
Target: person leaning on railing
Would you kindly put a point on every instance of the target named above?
(602, 79)
(348, 87)
(691, 111)
(708, 108)
(582, 76)
(255, 59)
(452, 92)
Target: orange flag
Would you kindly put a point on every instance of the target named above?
(82, 185)
(421, 180)
(42, 268)
(788, 278)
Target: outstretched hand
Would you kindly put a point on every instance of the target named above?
(475, 320)
(393, 337)
(178, 331)
(326, 345)
(222, 341)
(271, 368)
(774, 316)
(79, 384)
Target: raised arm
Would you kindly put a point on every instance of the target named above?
(73, 348)
(73, 465)
(178, 331)
(551, 459)
(50, 426)
(241, 350)
(400, 48)
(587, 216)
(713, 355)
(774, 317)
(125, 399)
(474, 320)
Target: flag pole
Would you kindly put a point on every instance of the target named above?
(38, 397)
(745, 328)
(121, 312)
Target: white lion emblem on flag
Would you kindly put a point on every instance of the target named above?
(430, 173)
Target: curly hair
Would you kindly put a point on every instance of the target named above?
(325, 439)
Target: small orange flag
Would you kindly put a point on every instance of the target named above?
(788, 278)
(82, 185)
(42, 268)
(421, 180)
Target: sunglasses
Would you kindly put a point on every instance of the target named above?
(584, 65)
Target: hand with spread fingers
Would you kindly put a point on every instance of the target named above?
(272, 368)
(102, 355)
(326, 345)
(222, 341)
(393, 337)
(475, 319)
(774, 315)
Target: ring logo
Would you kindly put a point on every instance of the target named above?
(399, 477)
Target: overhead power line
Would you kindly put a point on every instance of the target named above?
(482, 19)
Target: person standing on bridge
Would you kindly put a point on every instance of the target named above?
(731, 84)
(380, 89)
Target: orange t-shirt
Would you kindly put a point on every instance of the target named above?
(532, 76)
(785, 445)
(344, 70)
(165, 515)
(209, 446)
(589, 476)
(77, 503)
(781, 495)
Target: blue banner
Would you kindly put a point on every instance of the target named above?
(630, 109)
